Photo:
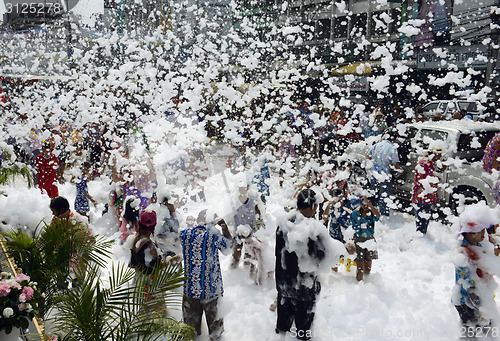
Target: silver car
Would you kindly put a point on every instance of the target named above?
(464, 180)
(448, 107)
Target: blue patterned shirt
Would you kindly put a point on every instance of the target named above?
(81, 201)
(340, 219)
(200, 249)
(363, 227)
(464, 282)
(261, 178)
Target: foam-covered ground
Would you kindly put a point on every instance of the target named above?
(407, 296)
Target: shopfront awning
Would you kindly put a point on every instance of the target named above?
(353, 69)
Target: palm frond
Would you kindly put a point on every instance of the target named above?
(121, 310)
(9, 172)
(53, 252)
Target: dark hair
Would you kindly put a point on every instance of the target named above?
(130, 213)
(336, 192)
(202, 217)
(391, 134)
(492, 229)
(86, 164)
(145, 228)
(59, 204)
(370, 198)
(306, 199)
(345, 163)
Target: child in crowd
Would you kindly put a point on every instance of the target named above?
(129, 218)
(255, 255)
(171, 221)
(262, 173)
(473, 295)
(247, 214)
(61, 210)
(167, 234)
(62, 214)
(144, 255)
(337, 214)
(82, 192)
(363, 223)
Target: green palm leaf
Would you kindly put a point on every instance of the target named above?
(11, 169)
(120, 310)
(49, 255)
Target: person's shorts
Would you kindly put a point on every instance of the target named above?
(365, 249)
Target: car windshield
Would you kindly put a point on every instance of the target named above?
(430, 106)
(467, 106)
(442, 106)
(427, 136)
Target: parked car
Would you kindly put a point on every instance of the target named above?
(464, 180)
(448, 107)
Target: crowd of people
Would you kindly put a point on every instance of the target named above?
(325, 200)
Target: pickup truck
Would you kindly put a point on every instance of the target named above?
(464, 181)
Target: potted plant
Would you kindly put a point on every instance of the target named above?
(18, 303)
(126, 306)
(80, 304)
(49, 254)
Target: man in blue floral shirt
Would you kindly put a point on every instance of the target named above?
(200, 247)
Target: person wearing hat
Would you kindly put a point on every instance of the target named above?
(376, 125)
(425, 185)
(473, 295)
(144, 255)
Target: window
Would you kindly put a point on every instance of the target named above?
(471, 146)
(323, 28)
(378, 24)
(308, 28)
(340, 27)
(468, 106)
(396, 20)
(426, 137)
(359, 23)
(442, 106)
(430, 106)
(475, 140)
